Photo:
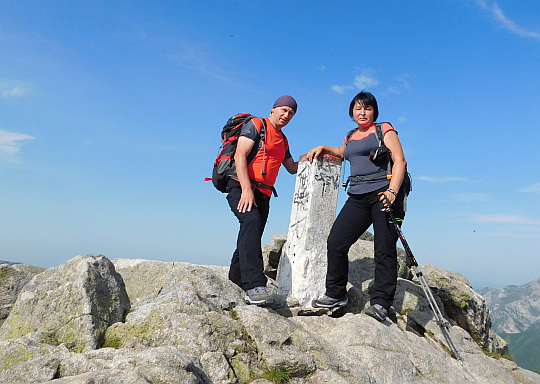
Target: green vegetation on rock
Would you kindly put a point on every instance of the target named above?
(19, 354)
(277, 376)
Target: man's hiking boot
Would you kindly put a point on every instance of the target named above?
(329, 302)
(258, 296)
(377, 312)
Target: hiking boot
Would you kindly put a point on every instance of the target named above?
(258, 296)
(377, 312)
(329, 302)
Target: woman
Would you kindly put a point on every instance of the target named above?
(370, 190)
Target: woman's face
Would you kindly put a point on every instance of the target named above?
(363, 115)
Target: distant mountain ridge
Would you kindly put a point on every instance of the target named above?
(514, 309)
(515, 316)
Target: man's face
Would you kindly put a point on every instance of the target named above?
(280, 116)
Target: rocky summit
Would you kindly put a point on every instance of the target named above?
(92, 320)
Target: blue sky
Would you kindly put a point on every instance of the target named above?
(110, 113)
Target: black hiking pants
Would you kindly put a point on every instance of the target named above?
(247, 269)
(357, 214)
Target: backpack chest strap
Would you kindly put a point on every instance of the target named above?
(373, 176)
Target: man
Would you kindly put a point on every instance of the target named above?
(257, 166)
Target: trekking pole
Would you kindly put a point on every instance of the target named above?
(441, 321)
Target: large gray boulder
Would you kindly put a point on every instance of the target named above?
(465, 306)
(13, 277)
(188, 307)
(30, 359)
(73, 304)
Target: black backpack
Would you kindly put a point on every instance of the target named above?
(224, 166)
(381, 153)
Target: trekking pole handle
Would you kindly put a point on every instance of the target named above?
(383, 208)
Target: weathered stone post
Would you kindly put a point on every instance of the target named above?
(302, 268)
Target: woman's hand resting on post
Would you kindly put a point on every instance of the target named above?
(313, 153)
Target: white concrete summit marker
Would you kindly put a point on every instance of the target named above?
(302, 268)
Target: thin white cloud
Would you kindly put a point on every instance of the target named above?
(392, 90)
(196, 58)
(471, 197)
(341, 89)
(505, 22)
(10, 142)
(504, 219)
(396, 89)
(365, 81)
(14, 90)
(179, 49)
(535, 188)
(447, 179)
(403, 79)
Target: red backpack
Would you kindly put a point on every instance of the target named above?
(224, 166)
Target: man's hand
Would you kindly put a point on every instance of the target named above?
(247, 201)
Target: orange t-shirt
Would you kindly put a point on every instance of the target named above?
(272, 151)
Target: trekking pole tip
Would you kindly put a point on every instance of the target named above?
(456, 356)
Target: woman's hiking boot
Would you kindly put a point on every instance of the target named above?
(329, 302)
(377, 312)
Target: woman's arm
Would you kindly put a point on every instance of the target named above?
(323, 149)
(391, 140)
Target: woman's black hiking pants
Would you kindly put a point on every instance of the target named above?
(357, 214)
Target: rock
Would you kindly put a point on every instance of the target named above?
(272, 255)
(285, 346)
(13, 277)
(466, 307)
(147, 280)
(74, 304)
(187, 307)
(32, 361)
(361, 349)
(189, 324)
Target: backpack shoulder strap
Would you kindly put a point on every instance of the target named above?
(261, 126)
(348, 136)
(379, 133)
(380, 137)
(285, 140)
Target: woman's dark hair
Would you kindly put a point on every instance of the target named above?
(366, 99)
